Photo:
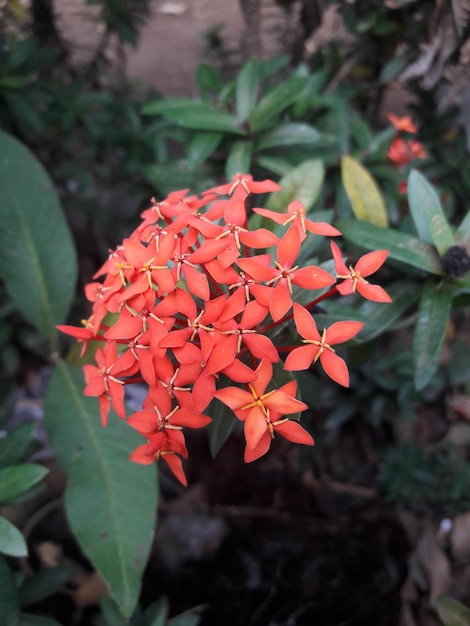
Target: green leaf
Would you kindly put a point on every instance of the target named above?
(463, 231)
(276, 101)
(433, 317)
(202, 146)
(222, 425)
(208, 79)
(14, 446)
(28, 619)
(12, 542)
(8, 596)
(191, 114)
(37, 255)
(185, 619)
(379, 317)
(363, 193)
(287, 135)
(427, 213)
(121, 494)
(43, 584)
(17, 479)
(239, 159)
(246, 89)
(402, 247)
(451, 612)
(157, 612)
(303, 183)
(110, 613)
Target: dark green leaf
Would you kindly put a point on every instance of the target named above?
(156, 613)
(185, 620)
(246, 89)
(28, 619)
(239, 159)
(219, 430)
(394, 67)
(452, 612)
(208, 79)
(121, 494)
(269, 67)
(202, 146)
(402, 247)
(427, 213)
(8, 596)
(303, 183)
(287, 135)
(433, 317)
(276, 101)
(12, 542)
(44, 583)
(463, 231)
(110, 613)
(37, 256)
(16, 479)
(195, 115)
(16, 443)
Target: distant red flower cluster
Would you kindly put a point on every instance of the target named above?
(194, 301)
(404, 150)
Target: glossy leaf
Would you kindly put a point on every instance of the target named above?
(463, 231)
(196, 115)
(427, 213)
(156, 613)
(451, 612)
(287, 135)
(303, 183)
(246, 90)
(275, 101)
(8, 596)
(14, 446)
(239, 159)
(37, 256)
(202, 146)
(12, 542)
(17, 479)
(363, 193)
(222, 425)
(401, 246)
(44, 583)
(121, 494)
(431, 326)
(110, 613)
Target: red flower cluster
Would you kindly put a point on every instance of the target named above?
(403, 151)
(192, 303)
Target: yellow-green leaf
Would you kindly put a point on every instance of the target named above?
(363, 193)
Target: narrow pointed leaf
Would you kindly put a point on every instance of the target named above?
(8, 596)
(303, 183)
(16, 443)
(427, 213)
(287, 135)
(192, 114)
(44, 583)
(363, 193)
(433, 317)
(402, 247)
(12, 542)
(202, 146)
(239, 159)
(121, 494)
(276, 101)
(37, 257)
(246, 89)
(17, 479)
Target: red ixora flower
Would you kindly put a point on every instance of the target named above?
(354, 277)
(319, 347)
(402, 152)
(404, 124)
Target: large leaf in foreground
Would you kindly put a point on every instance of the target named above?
(110, 501)
(433, 317)
(37, 256)
(402, 247)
